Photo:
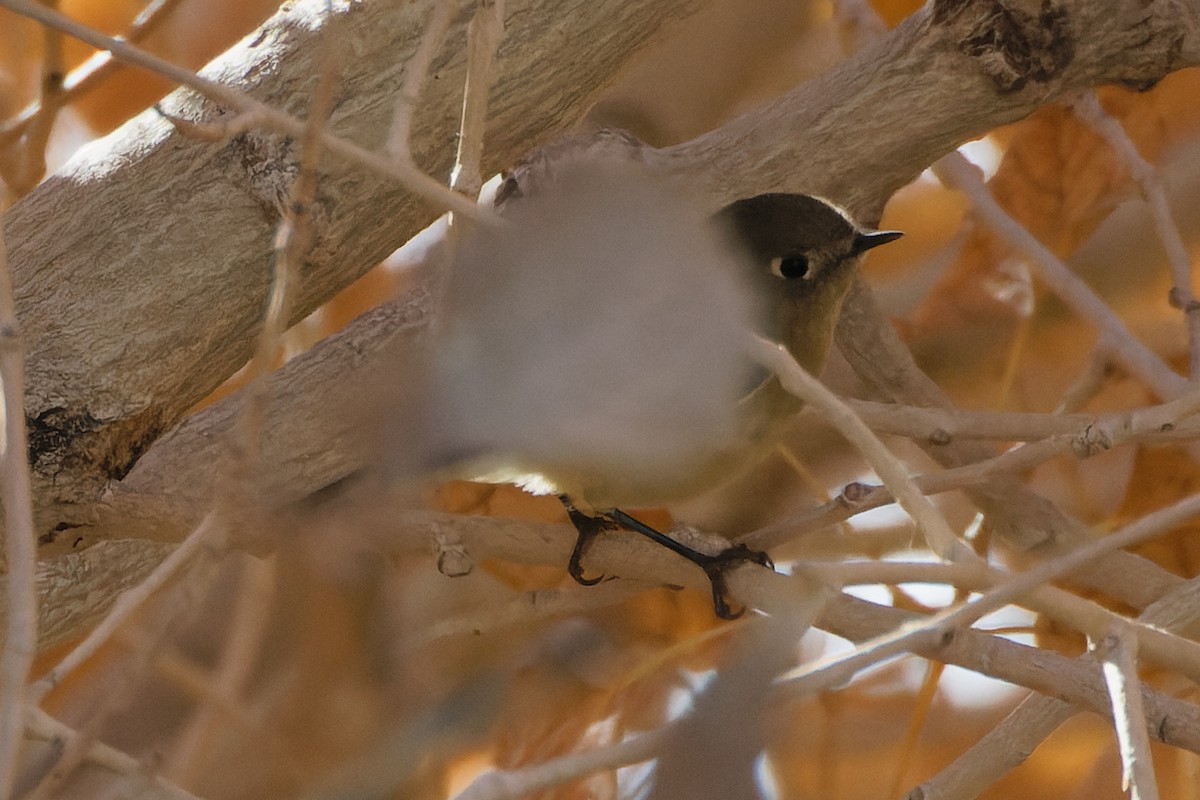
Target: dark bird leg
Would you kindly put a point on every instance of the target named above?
(714, 567)
(587, 528)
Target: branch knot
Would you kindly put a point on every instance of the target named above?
(1011, 45)
(1091, 440)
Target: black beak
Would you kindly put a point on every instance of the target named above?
(865, 241)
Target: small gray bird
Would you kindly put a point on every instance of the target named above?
(595, 345)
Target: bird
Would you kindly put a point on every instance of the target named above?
(594, 345)
(801, 254)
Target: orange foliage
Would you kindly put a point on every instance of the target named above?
(1059, 179)
(350, 659)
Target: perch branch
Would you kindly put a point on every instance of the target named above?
(894, 108)
(100, 391)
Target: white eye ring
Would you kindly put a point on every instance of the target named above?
(790, 267)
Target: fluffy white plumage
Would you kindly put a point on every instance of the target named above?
(596, 340)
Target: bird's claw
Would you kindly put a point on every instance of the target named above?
(575, 567)
(587, 529)
(715, 567)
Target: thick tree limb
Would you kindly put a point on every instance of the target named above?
(952, 71)
(142, 267)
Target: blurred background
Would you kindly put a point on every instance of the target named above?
(323, 671)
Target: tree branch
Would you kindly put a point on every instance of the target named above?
(178, 238)
(141, 268)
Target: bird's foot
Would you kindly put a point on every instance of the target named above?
(715, 567)
(587, 528)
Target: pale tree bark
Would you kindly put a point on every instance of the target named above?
(142, 267)
(150, 295)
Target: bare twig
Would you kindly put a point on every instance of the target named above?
(1118, 656)
(126, 604)
(292, 240)
(1090, 618)
(44, 726)
(513, 784)
(795, 379)
(415, 70)
(943, 425)
(533, 605)
(887, 646)
(484, 35)
(121, 687)
(894, 475)
(88, 75)
(1017, 515)
(1010, 743)
(29, 164)
(20, 541)
(1003, 748)
(402, 171)
(247, 628)
(1087, 107)
(1094, 434)
(958, 173)
(219, 131)
(837, 670)
(1076, 680)
(203, 687)
(1089, 382)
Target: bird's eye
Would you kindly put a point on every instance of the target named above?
(789, 266)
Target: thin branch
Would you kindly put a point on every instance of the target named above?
(91, 73)
(526, 608)
(30, 161)
(247, 631)
(415, 71)
(839, 669)
(199, 684)
(957, 173)
(1076, 680)
(944, 425)
(484, 35)
(517, 783)
(44, 726)
(1090, 618)
(119, 689)
(1017, 515)
(1095, 434)
(129, 602)
(1009, 744)
(1089, 382)
(1118, 657)
(20, 540)
(999, 751)
(292, 241)
(941, 426)
(1087, 107)
(929, 519)
(404, 172)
